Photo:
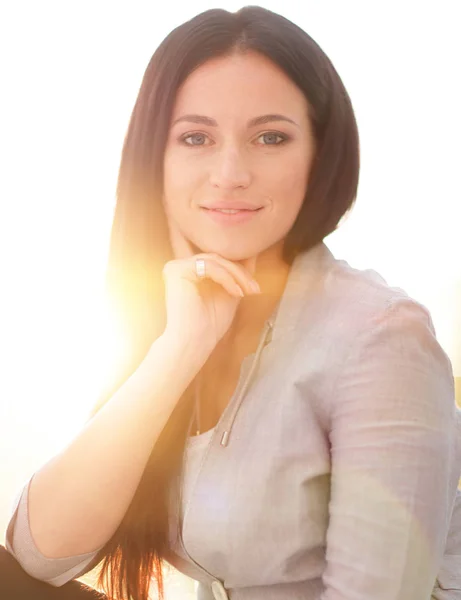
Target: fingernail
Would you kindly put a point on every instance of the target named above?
(254, 285)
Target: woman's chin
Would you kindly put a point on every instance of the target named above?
(232, 254)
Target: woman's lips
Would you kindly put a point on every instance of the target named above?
(241, 216)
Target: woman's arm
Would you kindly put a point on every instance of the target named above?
(395, 461)
(20, 544)
(77, 499)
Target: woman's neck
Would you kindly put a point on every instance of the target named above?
(271, 274)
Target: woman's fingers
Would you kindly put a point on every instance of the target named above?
(214, 272)
(222, 276)
(242, 275)
(250, 264)
(242, 272)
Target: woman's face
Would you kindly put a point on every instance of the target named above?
(216, 156)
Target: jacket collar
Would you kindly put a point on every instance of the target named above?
(303, 280)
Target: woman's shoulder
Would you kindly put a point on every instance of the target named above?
(350, 305)
(363, 285)
(343, 305)
(364, 296)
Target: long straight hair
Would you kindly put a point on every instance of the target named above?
(140, 246)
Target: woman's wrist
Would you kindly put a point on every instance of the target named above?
(187, 355)
(186, 349)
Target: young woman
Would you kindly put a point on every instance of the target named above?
(283, 425)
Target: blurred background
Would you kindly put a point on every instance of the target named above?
(70, 73)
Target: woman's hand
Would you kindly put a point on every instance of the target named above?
(200, 311)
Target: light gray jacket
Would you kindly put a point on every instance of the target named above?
(333, 472)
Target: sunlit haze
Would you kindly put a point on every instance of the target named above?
(71, 75)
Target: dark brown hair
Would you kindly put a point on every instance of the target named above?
(139, 242)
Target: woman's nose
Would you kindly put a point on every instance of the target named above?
(230, 169)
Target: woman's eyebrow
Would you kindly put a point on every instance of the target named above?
(202, 120)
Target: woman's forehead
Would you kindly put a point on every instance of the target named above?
(243, 85)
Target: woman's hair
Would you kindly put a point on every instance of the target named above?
(140, 246)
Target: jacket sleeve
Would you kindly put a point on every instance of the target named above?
(395, 448)
(20, 544)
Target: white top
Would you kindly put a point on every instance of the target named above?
(194, 451)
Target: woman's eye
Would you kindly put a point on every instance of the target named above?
(198, 137)
(271, 139)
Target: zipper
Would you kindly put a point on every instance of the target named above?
(262, 342)
(268, 326)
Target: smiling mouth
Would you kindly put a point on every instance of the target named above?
(232, 211)
(231, 216)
